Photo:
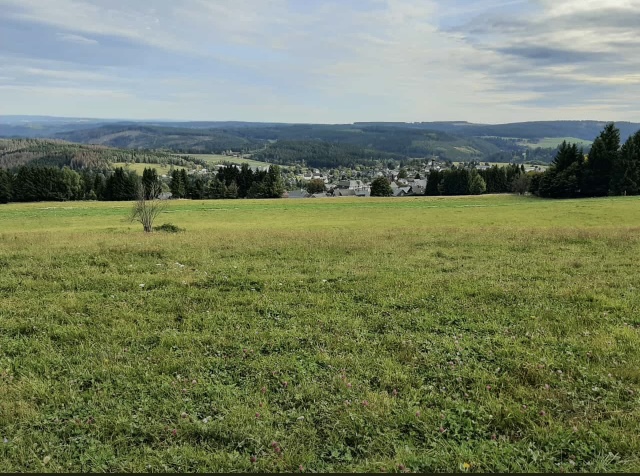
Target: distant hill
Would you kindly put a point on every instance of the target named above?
(455, 141)
(183, 140)
(56, 153)
(380, 139)
(585, 130)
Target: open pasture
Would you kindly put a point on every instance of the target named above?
(553, 142)
(215, 159)
(490, 333)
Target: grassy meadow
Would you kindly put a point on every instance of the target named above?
(472, 334)
(215, 159)
(553, 142)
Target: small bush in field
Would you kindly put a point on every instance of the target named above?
(169, 228)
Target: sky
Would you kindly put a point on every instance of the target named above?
(322, 61)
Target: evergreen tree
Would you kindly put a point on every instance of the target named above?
(231, 191)
(565, 177)
(150, 183)
(433, 181)
(495, 179)
(216, 189)
(25, 185)
(257, 190)
(566, 156)
(121, 185)
(178, 185)
(274, 183)
(197, 188)
(244, 180)
(184, 179)
(5, 186)
(625, 177)
(456, 182)
(99, 186)
(229, 173)
(599, 166)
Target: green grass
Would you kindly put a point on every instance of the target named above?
(214, 159)
(162, 169)
(440, 334)
(553, 142)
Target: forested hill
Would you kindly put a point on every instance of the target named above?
(56, 153)
(182, 140)
(346, 143)
(321, 154)
(365, 142)
(585, 130)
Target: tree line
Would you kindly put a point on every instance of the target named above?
(462, 181)
(229, 182)
(610, 169)
(41, 183)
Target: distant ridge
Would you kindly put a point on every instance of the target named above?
(447, 140)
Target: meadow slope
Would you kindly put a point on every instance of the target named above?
(425, 334)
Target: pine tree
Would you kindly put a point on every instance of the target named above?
(274, 183)
(433, 181)
(150, 183)
(177, 185)
(599, 166)
(99, 185)
(625, 176)
(231, 191)
(5, 186)
(216, 189)
(244, 180)
(456, 182)
(184, 179)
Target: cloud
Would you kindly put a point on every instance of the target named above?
(582, 49)
(67, 92)
(332, 61)
(79, 39)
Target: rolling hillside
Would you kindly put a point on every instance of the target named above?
(56, 153)
(183, 140)
(455, 141)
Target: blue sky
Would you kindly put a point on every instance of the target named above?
(327, 61)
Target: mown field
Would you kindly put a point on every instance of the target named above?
(215, 159)
(553, 142)
(422, 334)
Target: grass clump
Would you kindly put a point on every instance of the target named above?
(169, 228)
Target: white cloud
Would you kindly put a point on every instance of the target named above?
(341, 61)
(78, 39)
(65, 91)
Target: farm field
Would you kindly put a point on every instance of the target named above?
(473, 334)
(215, 159)
(553, 142)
